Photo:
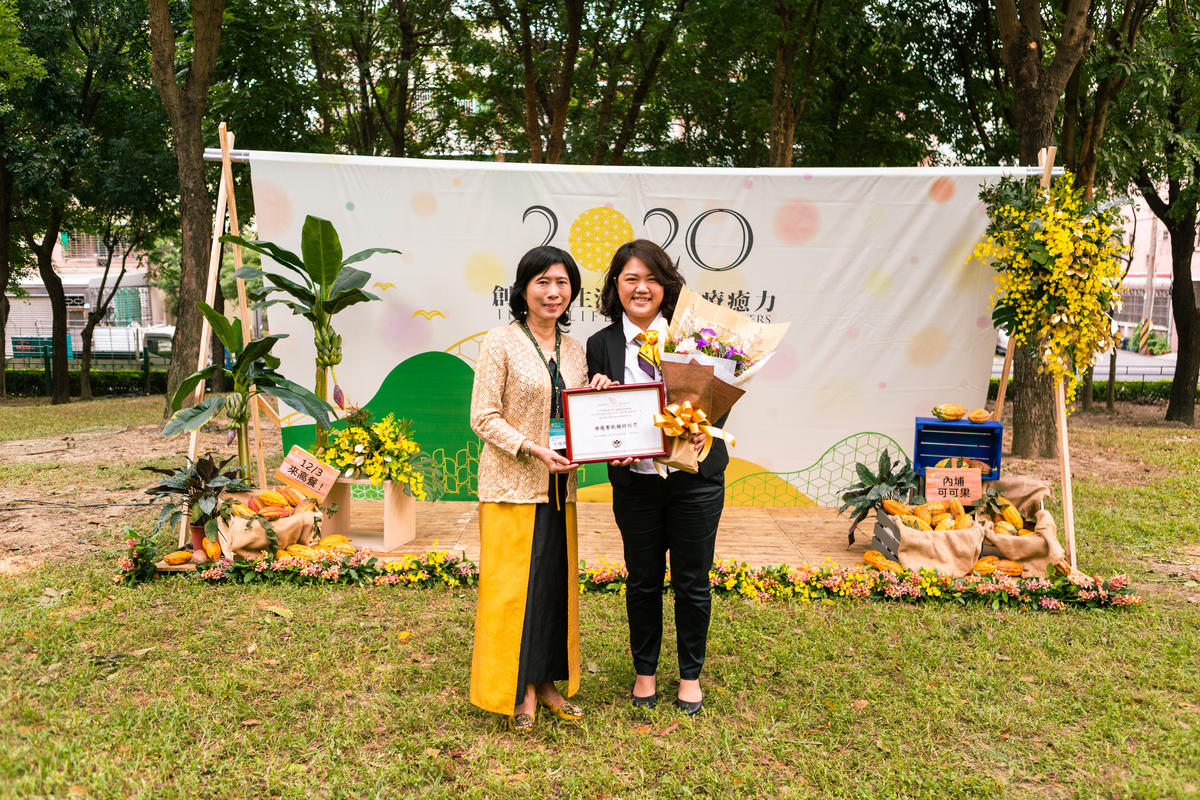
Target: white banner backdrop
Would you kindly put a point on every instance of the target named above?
(871, 266)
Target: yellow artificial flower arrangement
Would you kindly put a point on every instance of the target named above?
(382, 451)
(1058, 269)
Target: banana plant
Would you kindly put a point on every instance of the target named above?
(327, 285)
(253, 373)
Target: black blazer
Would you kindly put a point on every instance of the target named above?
(606, 356)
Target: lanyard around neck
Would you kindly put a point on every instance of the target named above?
(555, 391)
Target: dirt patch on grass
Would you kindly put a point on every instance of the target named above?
(49, 518)
(1091, 458)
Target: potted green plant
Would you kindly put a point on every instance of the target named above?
(253, 373)
(892, 481)
(195, 489)
(327, 285)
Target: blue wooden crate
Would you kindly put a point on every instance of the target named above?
(936, 439)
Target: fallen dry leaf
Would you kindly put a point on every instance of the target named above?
(642, 729)
(669, 729)
(286, 613)
(251, 722)
(860, 704)
(432, 751)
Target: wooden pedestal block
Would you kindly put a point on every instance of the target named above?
(399, 513)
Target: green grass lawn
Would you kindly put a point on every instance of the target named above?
(36, 418)
(179, 689)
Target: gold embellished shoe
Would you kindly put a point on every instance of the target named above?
(521, 723)
(571, 712)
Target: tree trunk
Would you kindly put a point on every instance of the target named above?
(85, 364)
(1087, 389)
(782, 128)
(6, 201)
(1111, 401)
(185, 108)
(59, 363)
(532, 131)
(3, 322)
(1182, 405)
(1033, 423)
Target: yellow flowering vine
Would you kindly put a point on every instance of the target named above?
(383, 451)
(1058, 268)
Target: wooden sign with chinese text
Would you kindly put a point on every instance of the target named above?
(303, 472)
(964, 485)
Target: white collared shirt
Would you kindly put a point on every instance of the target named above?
(635, 374)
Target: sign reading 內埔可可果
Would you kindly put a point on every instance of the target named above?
(302, 471)
(964, 485)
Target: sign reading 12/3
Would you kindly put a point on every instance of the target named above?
(689, 237)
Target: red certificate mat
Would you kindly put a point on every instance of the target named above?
(615, 423)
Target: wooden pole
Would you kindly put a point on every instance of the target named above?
(248, 331)
(1046, 161)
(210, 295)
(1003, 388)
(1060, 403)
(1064, 460)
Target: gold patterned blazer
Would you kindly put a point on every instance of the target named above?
(510, 403)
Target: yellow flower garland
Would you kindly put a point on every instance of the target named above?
(1057, 266)
(381, 452)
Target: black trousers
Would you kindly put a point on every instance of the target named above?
(679, 514)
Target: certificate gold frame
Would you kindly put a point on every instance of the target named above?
(615, 423)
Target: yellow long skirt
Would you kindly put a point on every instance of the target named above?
(506, 542)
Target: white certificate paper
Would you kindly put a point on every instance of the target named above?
(615, 423)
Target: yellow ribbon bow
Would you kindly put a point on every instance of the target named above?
(648, 352)
(680, 418)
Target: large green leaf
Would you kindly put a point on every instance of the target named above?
(363, 255)
(256, 350)
(190, 383)
(277, 283)
(297, 397)
(322, 252)
(284, 257)
(348, 278)
(221, 327)
(348, 299)
(189, 419)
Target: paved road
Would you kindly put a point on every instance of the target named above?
(1130, 367)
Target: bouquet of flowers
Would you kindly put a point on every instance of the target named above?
(709, 356)
(383, 451)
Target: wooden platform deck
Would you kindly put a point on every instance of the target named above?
(758, 536)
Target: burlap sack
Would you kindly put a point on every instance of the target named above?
(1025, 493)
(1035, 553)
(246, 538)
(952, 552)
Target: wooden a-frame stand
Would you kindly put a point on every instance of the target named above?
(225, 200)
(1046, 161)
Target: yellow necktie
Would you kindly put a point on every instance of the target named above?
(648, 353)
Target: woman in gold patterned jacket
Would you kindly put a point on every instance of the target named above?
(527, 618)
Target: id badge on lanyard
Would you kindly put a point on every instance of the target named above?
(558, 434)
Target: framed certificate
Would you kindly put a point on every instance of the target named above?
(614, 423)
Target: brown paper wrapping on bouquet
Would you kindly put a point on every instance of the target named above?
(246, 538)
(694, 383)
(952, 552)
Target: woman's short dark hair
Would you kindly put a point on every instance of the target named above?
(660, 266)
(533, 264)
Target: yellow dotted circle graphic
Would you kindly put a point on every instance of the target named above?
(595, 236)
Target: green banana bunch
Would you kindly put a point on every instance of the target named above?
(235, 407)
(329, 347)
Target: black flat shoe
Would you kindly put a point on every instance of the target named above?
(644, 702)
(691, 709)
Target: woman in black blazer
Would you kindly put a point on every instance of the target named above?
(678, 513)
